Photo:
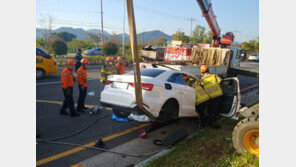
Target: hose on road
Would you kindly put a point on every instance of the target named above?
(76, 133)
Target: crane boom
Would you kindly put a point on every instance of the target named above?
(207, 10)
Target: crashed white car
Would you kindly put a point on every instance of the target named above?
(165, 94)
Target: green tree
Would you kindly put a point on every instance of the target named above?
(208, 37)
(252, 46)
(180, 36)
(41, 42)
(110, 48)
(161, 41)
(198, 34)
(65, 36)
(59, 47)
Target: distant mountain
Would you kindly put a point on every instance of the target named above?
(153, 35)
(82, 34)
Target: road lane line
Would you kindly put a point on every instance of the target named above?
(242, 90)
(61, 103)
(48, 83)
(74, 150)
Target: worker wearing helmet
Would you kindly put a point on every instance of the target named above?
(108, 69)
(78, 59)
(120, 65)
(202, 98)
(82, 85)
(211, 85)
(67, 85)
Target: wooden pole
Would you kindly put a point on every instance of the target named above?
(135, 55)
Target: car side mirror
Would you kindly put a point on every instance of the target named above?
(168, 86)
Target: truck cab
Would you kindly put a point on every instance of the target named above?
(45, 63)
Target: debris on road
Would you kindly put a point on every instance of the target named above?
(114, 117)
(139, 118)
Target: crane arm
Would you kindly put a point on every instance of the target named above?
(207, 10)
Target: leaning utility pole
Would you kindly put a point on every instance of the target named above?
(123, 29)
(102, 30)
(135, 55)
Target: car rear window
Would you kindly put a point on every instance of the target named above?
(148, 72)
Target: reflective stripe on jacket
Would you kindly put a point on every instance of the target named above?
(211, 85)
(106, 71)
(201, 94)
(67, 78)
(81, 77)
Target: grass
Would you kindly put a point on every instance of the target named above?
(208, 148)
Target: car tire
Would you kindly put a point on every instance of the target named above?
(169, 111)
(120, 113)
(40, 73)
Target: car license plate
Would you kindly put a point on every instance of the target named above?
(119, 85)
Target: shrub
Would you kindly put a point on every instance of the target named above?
(59, 47)
(110, 48)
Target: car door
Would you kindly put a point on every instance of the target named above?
(231, 98)
(185, 93)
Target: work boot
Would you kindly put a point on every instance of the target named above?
(85, 108)
(74, 114)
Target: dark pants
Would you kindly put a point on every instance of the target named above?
(201, 109)
(77, 65)
(81, 98)
(214, 109)
(68, 102)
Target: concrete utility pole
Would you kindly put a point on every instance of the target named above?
(191, 19)
(123, 29)
(102, 30)
(235, 31)
(135, 55)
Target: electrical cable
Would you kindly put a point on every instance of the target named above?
(76, 133)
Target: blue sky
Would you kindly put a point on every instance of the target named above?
(238, 16)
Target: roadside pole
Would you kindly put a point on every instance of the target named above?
(135, 56)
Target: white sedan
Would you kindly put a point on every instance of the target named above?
(165, 95)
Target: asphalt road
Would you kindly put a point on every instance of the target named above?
(50, 124)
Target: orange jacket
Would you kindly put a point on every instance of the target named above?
(67, 78)
(121, 68)
(81, 77)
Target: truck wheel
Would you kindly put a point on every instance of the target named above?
(39, 73)
(245, 136)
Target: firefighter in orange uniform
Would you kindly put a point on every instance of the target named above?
(67, 85)
(120, 65)
(82, 85)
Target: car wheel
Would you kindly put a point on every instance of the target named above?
(39, 73)
(121, 113)
(169, 111)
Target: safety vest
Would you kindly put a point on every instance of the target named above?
(201, 94)
(106, 71)
(211, 85)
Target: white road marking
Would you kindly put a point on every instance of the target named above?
(48, 83)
